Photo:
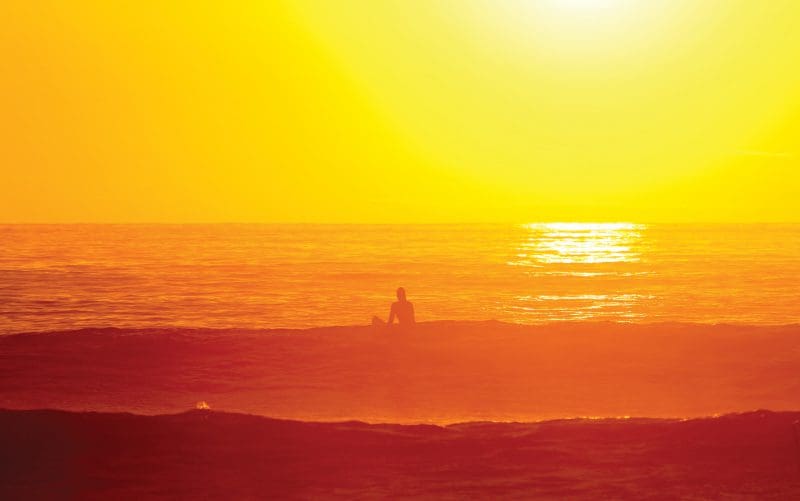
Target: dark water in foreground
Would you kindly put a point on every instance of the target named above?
(211, 455)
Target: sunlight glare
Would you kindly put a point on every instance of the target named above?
(587, 243)
(584, 4)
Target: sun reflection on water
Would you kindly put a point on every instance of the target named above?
(573, 243)
(581, 271)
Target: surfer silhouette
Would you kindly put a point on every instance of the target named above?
(402, 310)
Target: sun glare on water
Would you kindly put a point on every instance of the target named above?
(587, 243)
(576, 269)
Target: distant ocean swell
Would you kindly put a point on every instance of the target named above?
(57, 277)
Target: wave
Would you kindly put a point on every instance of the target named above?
(220, 455)
(441, 372)
(425, 327)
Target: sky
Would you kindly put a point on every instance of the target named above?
(400, 111)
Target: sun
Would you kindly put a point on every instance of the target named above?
(584, 16)
(579, 30)
(584, 4)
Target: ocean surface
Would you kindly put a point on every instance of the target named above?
(60, 277)
(131, 326)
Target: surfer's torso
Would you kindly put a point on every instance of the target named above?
(404, 311)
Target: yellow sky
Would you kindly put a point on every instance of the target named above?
(400, 111)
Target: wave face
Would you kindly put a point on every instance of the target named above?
(209, 455)
(258, 276)
(442, 372)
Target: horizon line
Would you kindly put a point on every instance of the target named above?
(385, 223)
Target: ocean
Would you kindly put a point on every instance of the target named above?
(255, 276)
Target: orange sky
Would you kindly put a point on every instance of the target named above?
(400, 111)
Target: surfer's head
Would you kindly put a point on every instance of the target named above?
(401, 294)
